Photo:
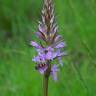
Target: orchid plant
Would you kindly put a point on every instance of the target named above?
(51, 48)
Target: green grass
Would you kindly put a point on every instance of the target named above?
(77, 25)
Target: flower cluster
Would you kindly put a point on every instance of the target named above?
(48, 54)
(47, 31)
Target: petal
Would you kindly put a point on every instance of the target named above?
(35, 45)
(58, 38)
(54, 76)
(60, 45)
(42, 28)
(36, 59)
(39, 35)
(39, 59)
(50, 49)
(49, 55)
(60, 61)
(54, 55)
(42, 70)
(62, 54)
(42, 57)
(54, 70)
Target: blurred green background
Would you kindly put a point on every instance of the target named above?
(77, 25)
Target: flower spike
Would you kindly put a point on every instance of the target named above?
(52, 50)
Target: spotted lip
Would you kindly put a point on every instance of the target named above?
(38, 66)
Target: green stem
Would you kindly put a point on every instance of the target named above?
(45, 85)
(46, 79)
